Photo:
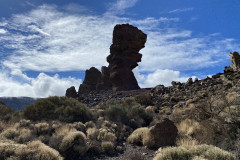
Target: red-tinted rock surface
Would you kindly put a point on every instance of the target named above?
(71, 92)
(124, 56)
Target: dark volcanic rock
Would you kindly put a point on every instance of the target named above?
(92, 78)
(124, 55)
(164, 133)
(71, 92)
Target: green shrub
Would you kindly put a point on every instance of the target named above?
(144, 99)
(58, 108)
(5, 112)
(128, 112)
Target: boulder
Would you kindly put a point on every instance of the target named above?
(71, 92)
(162, 134)
(124, 56)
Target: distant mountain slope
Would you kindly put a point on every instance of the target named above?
(18, 103)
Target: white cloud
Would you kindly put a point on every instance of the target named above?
(42, 86)
(120, 6)
(163, 77)
(49, 40)
(181, 10)
(2, 31)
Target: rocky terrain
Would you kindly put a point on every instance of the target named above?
(110, 117)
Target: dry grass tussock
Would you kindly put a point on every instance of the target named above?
(74, 143)
(137, 136)
(34, 150)
(196, 130)
(198, 152)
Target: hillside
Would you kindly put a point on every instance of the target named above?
(111, 119)
(18, 103)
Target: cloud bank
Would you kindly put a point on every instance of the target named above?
(48, 39)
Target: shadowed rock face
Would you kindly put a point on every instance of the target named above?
(92, 78)
(71, 92)
(124, 56)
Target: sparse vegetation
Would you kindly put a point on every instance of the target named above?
(58, 108)
(197, 152)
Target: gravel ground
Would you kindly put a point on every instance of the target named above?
(131, 152)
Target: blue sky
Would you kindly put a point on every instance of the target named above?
(46, 45)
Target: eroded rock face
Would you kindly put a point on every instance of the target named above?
(164, 133)
(71, 92)
(235, 58)
(124, 56)
(92, 78)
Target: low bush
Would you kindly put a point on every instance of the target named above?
(108, 147)
(35, 150)
(196, 130)
(5, 112)
(200, 152)
(144, 99)
(74, 145)
(58, 108)
(137, 136)
(128, 112)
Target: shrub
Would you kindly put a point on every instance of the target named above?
(58, 108)
(10, 133)
(144, 99)
(108, 147)
(92, 133)
(199, 152)
(173, 153)
(42, 128)
(35, 150)
(74, 144)
(5, 112)
(90, 124)
(196, 130)
(212, 152)
(187, 142)
(137, 136)
(128, 112)
(79, 126)
(64, 130)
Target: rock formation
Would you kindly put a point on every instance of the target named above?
(91, 80)
(124, 55)
(71, 92)
(235, 58)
